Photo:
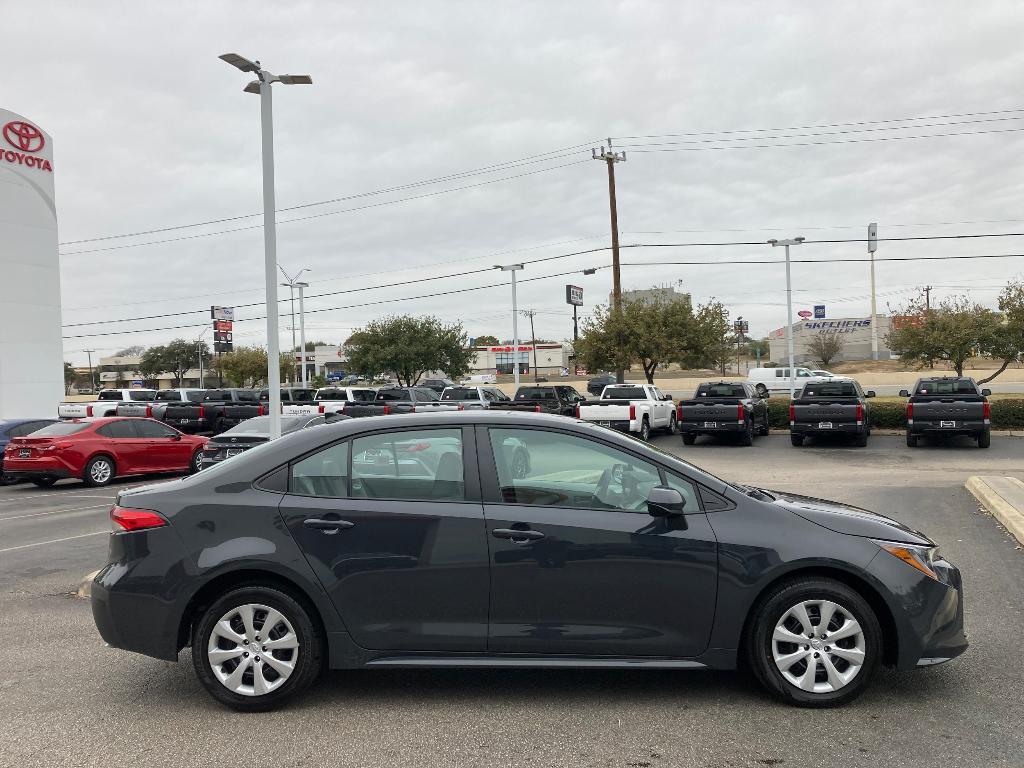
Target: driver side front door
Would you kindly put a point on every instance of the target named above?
(578, 566)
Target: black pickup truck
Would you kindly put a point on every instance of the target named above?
(559, 400)
(831, 407)
(290, 396)
(219, 409)
(723, 407)
(943, 406)
(400, 400)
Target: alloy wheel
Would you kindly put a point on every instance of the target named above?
(818, 646)
(100, 471)
(253, 649)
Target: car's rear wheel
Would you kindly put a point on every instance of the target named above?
(689, 439)
(99, 471)
(196, 464)
(796, 440)
(254, 647)
(747, 437)
(985, 439)
(861, 440)
(911, 440)
(766, 426)
(672, 424)
(44, 482)
(645, 430)
(814, 642)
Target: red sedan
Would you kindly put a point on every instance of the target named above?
(98, 450)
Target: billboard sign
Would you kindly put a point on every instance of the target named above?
(574, 295)
(819, 311)
(805, 313)
(222, 313)
(223, 333)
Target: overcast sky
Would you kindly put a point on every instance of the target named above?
(151, 131)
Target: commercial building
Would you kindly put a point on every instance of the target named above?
(854, 331)
(666, 294)
(499, 359)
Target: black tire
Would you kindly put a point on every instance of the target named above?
(645, 430)
(796, 440)
(689, 439)
(672, 424)
(194, 465)
(94, 477)
(985, 439)
(6, 479)
(766, 427)
(310, 647)
(44, 482)
(747, 438)
(911, 440)
(861, 440)
(218, 426)
(771, 610)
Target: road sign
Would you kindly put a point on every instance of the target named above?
(574, 295)
(805, 313)
(819, 311)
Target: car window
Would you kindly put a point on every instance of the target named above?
(418, 465)
(686, 489)
(831, 389)
(20, 430)
(168, 396)
(393, 394)
(62, 428)
(247, 396)
(153, 429)
(195, 397)
(145, 397)
(949, 387)
(363, 395)
(458, 393)
(623, 393)
(118, 430)
(325, 473)
(423, 393)
(802, 373)
(554, 469)
(720, 390)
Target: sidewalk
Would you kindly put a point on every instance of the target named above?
(1004, 498)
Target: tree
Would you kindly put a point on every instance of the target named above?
(652, 334)
(175, 357)
(245, 366)
(311, 346)
(826, 346)
(486, 341)
(69, 376)
(1007, 341)
(408, 347)
(951, 332)
(759, 348)
(135, 350)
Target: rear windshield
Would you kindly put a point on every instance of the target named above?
(393, 394)
(949, 387)
(721, 390)
(358, 395)
(168, 395)
(115, 394)
(831, 389)
(536, 393)
(460, 393)
(60, 429)
(623, 393)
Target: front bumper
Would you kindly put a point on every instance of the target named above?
(928, 613)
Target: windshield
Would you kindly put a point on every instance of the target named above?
(61, 429)
(623, 393)
(831, 389)
(947, 387)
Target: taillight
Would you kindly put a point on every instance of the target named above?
(57, 447)
(986, 411)
(577, 409)
(412, 409)
(536, 409)
(387, 410)
(88, 410)
(127, 519)
(632, 413)
(149, 411)
(792, 413)
(910, 411)
(461, 407)
(261, 411)
(860, 413)
(202, 412)
(322, 409)
(741, 413)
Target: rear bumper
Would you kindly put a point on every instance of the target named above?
(837, 428)
(30, 469)
(701, 428)
(918, 427)
(619, 425)
(188, 426)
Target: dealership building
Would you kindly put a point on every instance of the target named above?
(855, 332)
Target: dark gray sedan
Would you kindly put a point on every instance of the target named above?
(422, 541)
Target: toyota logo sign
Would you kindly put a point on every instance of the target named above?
(24, 136)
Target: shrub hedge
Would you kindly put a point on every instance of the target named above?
(1006, 414)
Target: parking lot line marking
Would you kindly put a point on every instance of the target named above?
(54, 512)
(52, 541)
(65, 495)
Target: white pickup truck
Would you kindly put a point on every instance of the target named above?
(637, 408)
(332, 400)
(106, 404)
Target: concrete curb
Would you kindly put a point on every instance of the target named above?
(1004, 498)
(85, 587)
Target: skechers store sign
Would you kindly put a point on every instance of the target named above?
(839, 326)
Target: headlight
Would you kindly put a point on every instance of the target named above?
(914, 555)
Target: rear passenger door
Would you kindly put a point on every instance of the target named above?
(392, 524)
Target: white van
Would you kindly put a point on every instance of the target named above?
(483, 378)
(777, 379)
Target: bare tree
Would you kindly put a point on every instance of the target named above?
(826, 346)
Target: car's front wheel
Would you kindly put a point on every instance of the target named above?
(254, 647)
(814, 642)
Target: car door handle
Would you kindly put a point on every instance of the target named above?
(517, 535)
(327, 526)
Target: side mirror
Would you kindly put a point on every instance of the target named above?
(664, 502)
(904, 393)
(667, 398)
(986, 392)
(869, 393)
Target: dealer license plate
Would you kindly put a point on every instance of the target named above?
(951, 424)
(183, 421)
(24, 453)
(710, 425)
(604, 423)
(825, 425)
(232, 452)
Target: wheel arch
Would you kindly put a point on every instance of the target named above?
(863, 587)
(217, 586)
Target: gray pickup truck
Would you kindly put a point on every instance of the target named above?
(943, 406)
(723, 408)
(400, 400)
(473, 398)
(831, 407)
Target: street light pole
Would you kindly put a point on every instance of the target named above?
(199, 350)
(262, 86)
(292, 283)
(92, 378)
(872, 246)
(513, 268)
(789, 307)
(302, 331)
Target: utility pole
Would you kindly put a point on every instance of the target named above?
(872, 247)
(927, 297)
(612, 157)
(302, 332)
(92, 379)
(513, 268)
(789, 308)
(533, 340)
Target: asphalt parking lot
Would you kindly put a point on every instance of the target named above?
(66, 700)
